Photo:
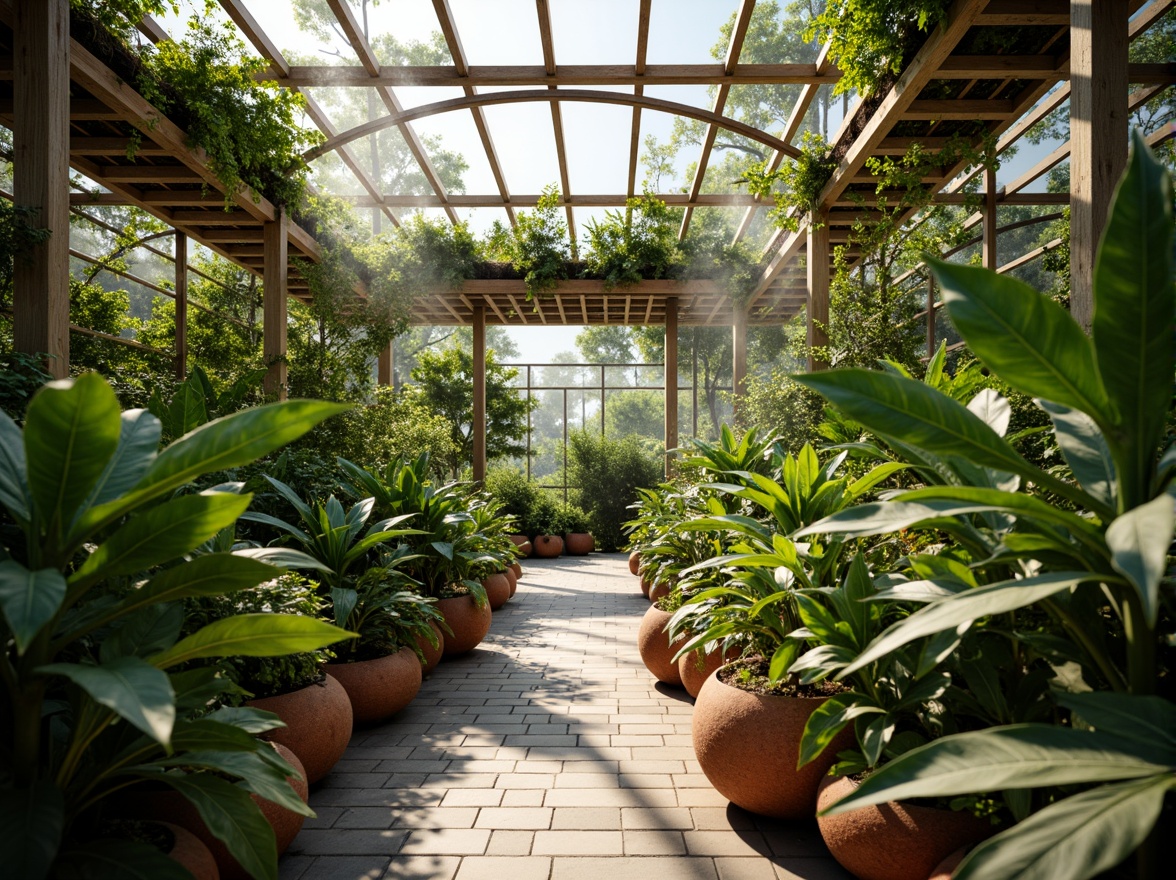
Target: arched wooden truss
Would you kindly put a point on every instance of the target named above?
(68, 109)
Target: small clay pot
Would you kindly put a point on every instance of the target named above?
(548, 546)
(893, 841)
(579, 543)
(654, 646)
(517, 569)
(512, 579)
(695, 673)
(432, 655)
(318, 724)
(646, 586)
(660, 590)
(190, 853)
(379, 688)
(497, 589)
(523, 543)
(635, 563)
(468, 622)
(748, 745)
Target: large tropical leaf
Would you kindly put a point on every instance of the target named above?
(1085, 450)
(1025, 338)
(132, 688)
(71, 431)
(137, 444)
(109, 859)
(29, 599)
(1134, 307)
(1139, 541)
(14, 484)
(1074, 839)
(253, 635)
(31, 824)
(1150, 720)
(213, 575)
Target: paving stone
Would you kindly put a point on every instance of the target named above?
(578, 843)
(678, 868)
(446, 841)
(502, 867)
(422, 868)
(515, 818)
(587, 818)
(510, 843)
(656, 818)
(653, 843)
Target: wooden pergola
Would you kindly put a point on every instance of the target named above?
(69, 109)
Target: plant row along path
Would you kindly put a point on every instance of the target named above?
(548, 752)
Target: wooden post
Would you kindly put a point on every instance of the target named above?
(1098, 134)
(738, 357)
(817, 307)
(384, 366)
(671, 372)
(990, 215)
(181, 305)
(274, 305)
(40, 277)
(479, 426)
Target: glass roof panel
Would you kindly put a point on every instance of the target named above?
(525, 139)
(596, 140)
(502, 32)
(683, 31)
(601, 32)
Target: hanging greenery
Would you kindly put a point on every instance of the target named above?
(538, 246)
(637, 243)
(796, 186)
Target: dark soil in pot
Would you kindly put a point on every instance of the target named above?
(318, 724)
(379, 688)
(654, 646)
(695, 669)
(894, 841)
(468, 622)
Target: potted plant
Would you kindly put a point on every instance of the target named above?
(543, 523)
(574, 525)
(656, 650)
(90, 596)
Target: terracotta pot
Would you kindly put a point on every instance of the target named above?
(946, 868)
(318, 724)
(748, 745)
(286, 823)
(893, 841)
(497, 589)
(635, 563)
(659, 591)
(512, 579)
(523, 543)
(579, 543)
(654, 646)
(517, 569)
(548, 546)
(432, 655)
(191, 853)
(379, 688)
(646, 586)
(468, 622)
(693, 673)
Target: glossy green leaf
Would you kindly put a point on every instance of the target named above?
(29, 599)
(282, 557)
(827, 720)
(1017, 756)
(993, 409)
(216, 574)
(144, 632)
(1148, 719)
(1024, 337)
(14, 484)
(247, 718)
(32, 821)
(187, 411)
(71, 432)
(1085, 450)
(1134, 308)
(110, 859)
(1076, 838)
(138, 443)
(256, 774)
(254, 635)
(1139, 541)
(162, 534)
(131, 688)
(210, 735)
(962, 608)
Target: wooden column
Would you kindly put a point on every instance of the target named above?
(990, 215)
(274, 305)
(1098, 134)
(384, 366)
(738, 357)
(671, 373)
(820, 252)
(181, 305)
(479, 426)
(40, 278)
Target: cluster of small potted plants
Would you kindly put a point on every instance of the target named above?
(958, 660)
(547, 528)
(177, 666)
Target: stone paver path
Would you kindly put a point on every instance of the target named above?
(549, 753)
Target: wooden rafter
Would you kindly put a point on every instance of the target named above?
(643, 15)
(565, 188)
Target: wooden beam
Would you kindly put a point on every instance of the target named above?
(1000, 67)
(40, 140)
(181, 268)
(643, 13)
(530, 200)
(1098, 134)
(479, 422)
(1025, 12)
(276, 272)
(817, 304)
(385, 365)
(671, 382)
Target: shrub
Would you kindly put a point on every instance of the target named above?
(517, 495)
(607, 473)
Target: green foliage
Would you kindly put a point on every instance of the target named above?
(538, 245)
(641, 242)
(606, 474)
(96, 697)
(20, 377)
(796, 185)
(120, 16)
(517, 495)
(196, 401)
(782, 407)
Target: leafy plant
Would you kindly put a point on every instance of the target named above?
(641, 242)
(1090, 553)
(607, 474)
(196, 401)
(95, 697)
(538, 245)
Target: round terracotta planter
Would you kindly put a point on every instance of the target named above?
(468, 622)
(512, 579)
(659, 591)
(497, 589)
(579, 543)
(646, 586)
(694, 674)
(318, 724)
(190, 853)
(748, 745)
(523, 543)
(548, 546)
(635, 563)
(654, 646)
(432, 655)
(517, 569)
(893, 841)
(379, 688)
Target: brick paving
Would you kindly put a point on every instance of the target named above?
(549, 753)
